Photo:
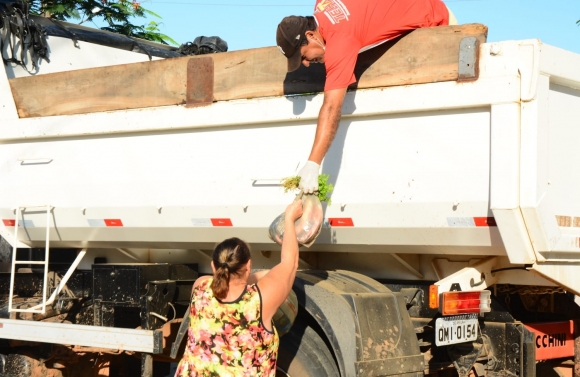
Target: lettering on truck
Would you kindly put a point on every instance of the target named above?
(553, 339)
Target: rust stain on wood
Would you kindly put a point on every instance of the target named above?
(200, 82)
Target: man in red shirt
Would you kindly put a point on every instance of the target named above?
(338, 32)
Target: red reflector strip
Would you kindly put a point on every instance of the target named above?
(8, 222)
(553, 340)
(221, 222)
(484, 221)
(340, 221)
(113, 222)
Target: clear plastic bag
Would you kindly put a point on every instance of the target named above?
(307, 227)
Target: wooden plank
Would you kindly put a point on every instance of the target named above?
(422, 56)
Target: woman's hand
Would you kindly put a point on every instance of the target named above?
(293, 211)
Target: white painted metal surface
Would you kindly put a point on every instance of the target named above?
(7, 107)
(192, 180)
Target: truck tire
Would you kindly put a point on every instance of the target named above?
(5, 256)
(303, 353)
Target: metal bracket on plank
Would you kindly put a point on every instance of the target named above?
(200, 79)
(468, 59)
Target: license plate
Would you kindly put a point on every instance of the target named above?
(456, 329)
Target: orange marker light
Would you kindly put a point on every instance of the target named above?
(466, 302)
(433, 297)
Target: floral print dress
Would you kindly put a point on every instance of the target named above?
(228, 339)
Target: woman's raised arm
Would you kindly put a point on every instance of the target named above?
(277, 283)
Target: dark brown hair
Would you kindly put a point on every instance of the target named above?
(229, 258)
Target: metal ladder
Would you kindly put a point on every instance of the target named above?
(44, 262)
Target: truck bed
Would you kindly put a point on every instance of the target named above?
(424, 165)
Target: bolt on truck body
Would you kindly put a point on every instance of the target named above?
(452, 244)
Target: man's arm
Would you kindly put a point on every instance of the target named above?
(328, 120)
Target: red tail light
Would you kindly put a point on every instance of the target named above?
(454, 303)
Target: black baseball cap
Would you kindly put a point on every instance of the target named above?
(289, 37)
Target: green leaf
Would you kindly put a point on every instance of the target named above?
(151, 13)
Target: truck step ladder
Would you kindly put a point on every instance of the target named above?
(20, 210)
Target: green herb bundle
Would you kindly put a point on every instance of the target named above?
(324, 188)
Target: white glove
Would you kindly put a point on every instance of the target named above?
(309, 177)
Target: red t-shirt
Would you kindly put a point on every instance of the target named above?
(352, 26)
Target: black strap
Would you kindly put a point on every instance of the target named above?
(39, 44)
(141, 47)
(23, 33)
(67, 31)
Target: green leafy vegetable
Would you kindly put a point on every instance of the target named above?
(324, 188)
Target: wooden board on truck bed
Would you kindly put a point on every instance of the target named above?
(421, 56)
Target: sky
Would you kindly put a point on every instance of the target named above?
(252, 23)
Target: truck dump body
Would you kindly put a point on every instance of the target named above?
(442, 168)
(451, 165)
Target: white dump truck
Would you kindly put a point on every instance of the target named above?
(451, 246)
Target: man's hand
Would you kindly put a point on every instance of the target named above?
(309, 177)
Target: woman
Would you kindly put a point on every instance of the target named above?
(230, 328)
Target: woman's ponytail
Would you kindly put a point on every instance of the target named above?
(229, 258)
